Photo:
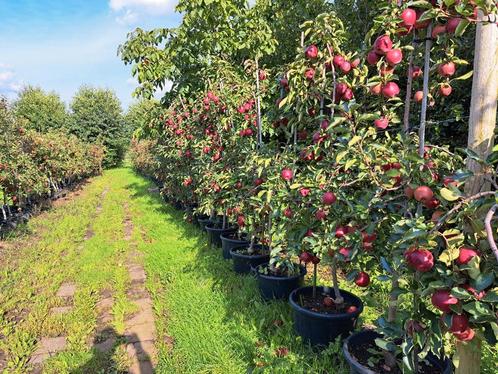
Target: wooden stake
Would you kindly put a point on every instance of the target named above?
(423, 113)
(258, 107)
(482, 120)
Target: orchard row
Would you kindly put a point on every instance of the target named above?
(324, 162)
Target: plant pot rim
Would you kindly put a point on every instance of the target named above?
(273, 277)
(312, 314)
(228, 229)
(234, 252)
(354, 362)
(241, 241)
(350, 358)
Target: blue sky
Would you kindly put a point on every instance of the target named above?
(60, 45)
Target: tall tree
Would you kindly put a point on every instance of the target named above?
(96, 117)
(39, 110)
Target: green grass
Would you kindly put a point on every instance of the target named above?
(208, 319)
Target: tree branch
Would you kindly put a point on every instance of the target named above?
(489, 230)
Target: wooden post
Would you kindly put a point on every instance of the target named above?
(258, 106)
(482, 123)
(482, 120)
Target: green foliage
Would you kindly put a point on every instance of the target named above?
(96, 117)
(40, 111)
(141, 115)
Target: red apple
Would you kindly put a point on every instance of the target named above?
(466, 335)
(328, 302)
(431, 204)
(376, 90)
(304, 192)
(390, 90)
(409, 17)
(311, 52)
(338, 60)
(394, 57)
(373, 58)
(287, 174)
(423, 193)
(465, 255)
(288, 213)
(320, 215)
(346, 67)
(381, 123)
(442, 300)
(305, 257)
(329, 198)
(352, 309)
(446, 69)
(259, 182)
(362, 279)
(417, 72)
(445, 89)
(419, 259)
(419, 96)
(383, 44)
(459, 323)
(309, 74)
(241, 221)
(340, 232)
(438, 29)
(452, 25)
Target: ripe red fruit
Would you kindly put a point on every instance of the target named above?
(309, 74)
(262, 75)
(466, 335)
(362, 279)
(340, 89)
(309, 233)
(329, 198)
(423, 193)
(409, 17)
(324, 125)
(241, 221)
(383, 44)
(419, 259)
(448, 181)
(346, 67)
(376, 90)
(259, 182)
(238, 185)
(355, 63)
(431, 204)
(394, 57)
(348, 95)
(418, 97)
(417, 72)
(390, 90)
(373, 58)
(288, 213)
(284, 82)
(340, 232)
(315, 260)
(328, 302)
(438, 29)
(409, 192)
(338, 60)
(306, 257)
(320, 215)
(346, 252)
(311, 52)
(368, 238)
(447, 69)
(459, 323)
(473, 291)
(287, 174)
(381, 123)
(452, 25)
(304, 192)
(442, 300)
(465, 255)
(352, 309)
(445, 89)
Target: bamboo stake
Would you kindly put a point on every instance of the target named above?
(423, 113)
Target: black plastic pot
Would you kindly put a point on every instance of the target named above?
(365, 336)
(274, 287)
(227, 244)
(321, 329)
(199, 217)
(243, 264)
(214, 234)
(203, 222)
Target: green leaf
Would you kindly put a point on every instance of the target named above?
(465, 76)
(450, 195)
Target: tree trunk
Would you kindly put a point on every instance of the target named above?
(482, 123)
(483, 104)
(469, 357)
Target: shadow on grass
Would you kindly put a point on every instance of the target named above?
(103, 355)
(244, 309)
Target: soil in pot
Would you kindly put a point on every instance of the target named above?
(215, 230)
(244, 261)
(358, 350)
(322, 324)
(278, 285)
(231, 240)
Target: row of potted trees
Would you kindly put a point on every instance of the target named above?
(34, 166)
(334, 175)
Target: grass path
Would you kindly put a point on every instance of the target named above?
(207, 319)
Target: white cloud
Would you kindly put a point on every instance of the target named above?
(6, 76)
(131, 11)
(9, 86)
